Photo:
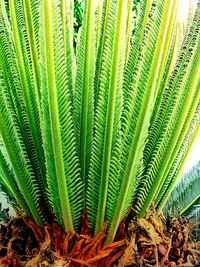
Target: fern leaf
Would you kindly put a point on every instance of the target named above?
(101, 41)
(67, 7)
(31, 11)
(31, 96)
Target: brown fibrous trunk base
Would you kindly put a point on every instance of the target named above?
(145, 242)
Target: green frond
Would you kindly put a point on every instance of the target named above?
(176, 169)
(129, 27)
(102, 27)
(164, 77)
(8, 180)
(12, 79)
(67, 11)
(192, 100)
(16, 150)
(99, 13)
(84, 89)
(190, 125)
(186, 193)
(134, 51)
(137, 111)
(107, 116)
(31, 14)
(162, 146)
(63, 172)
(30, 92)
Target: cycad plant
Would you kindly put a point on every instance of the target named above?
(103, 128)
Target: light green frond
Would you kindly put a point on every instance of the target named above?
(137, 111)
(8, 180)
(134, 53)
(63, 173)
(84, 89)
(164, 135)
(104, 19)
(99, 13)
(16, 150)
(191, 117)
(30, 92)
(67, 13)
(164, 79)
(176, 169)
(53, 196)
(108, 114)
(31, 14)
(129, 27)
(10, 68)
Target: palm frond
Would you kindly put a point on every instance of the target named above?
(186, 193)
(10, 69)
(162, 146)
(30, 92)
(175, 171)
(103, 17)
(63, 172)
(84, 89)
(108, 112)
(16, 150)
(31, 15)
(138, 107)
(8, 181)
(67, 8)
